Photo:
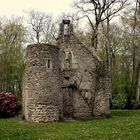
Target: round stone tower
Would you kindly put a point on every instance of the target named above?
(41, 89)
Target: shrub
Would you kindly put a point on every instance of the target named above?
(136, 106)
(8, 105)
(119, 101)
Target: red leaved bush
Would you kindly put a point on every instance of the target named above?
(8, 105)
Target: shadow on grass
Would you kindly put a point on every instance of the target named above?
(125, 113)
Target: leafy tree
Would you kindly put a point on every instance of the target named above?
(12, 37)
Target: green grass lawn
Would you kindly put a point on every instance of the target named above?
(122, 125)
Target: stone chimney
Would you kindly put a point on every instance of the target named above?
(65, 31)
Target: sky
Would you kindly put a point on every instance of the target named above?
(10, 8)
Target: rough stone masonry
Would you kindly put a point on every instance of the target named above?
(66, 81)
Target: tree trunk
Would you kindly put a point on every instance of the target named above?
(138, 85)
(95, 37)
(37, 36)
(136, 59)
(108, 55)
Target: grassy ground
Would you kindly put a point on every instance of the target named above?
(123, 125)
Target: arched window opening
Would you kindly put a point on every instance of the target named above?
(68, 61)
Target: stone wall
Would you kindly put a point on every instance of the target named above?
(101, 101)
(41, 84)
(91, 97)
(83, 65)
(67, 81)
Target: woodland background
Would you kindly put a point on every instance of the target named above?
(111, 28)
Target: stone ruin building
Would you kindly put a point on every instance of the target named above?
(66, 81)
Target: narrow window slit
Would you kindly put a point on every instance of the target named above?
(49, 63)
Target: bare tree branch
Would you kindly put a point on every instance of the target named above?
(99, 10)
(41, 26)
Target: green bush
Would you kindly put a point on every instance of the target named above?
(119, 101)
